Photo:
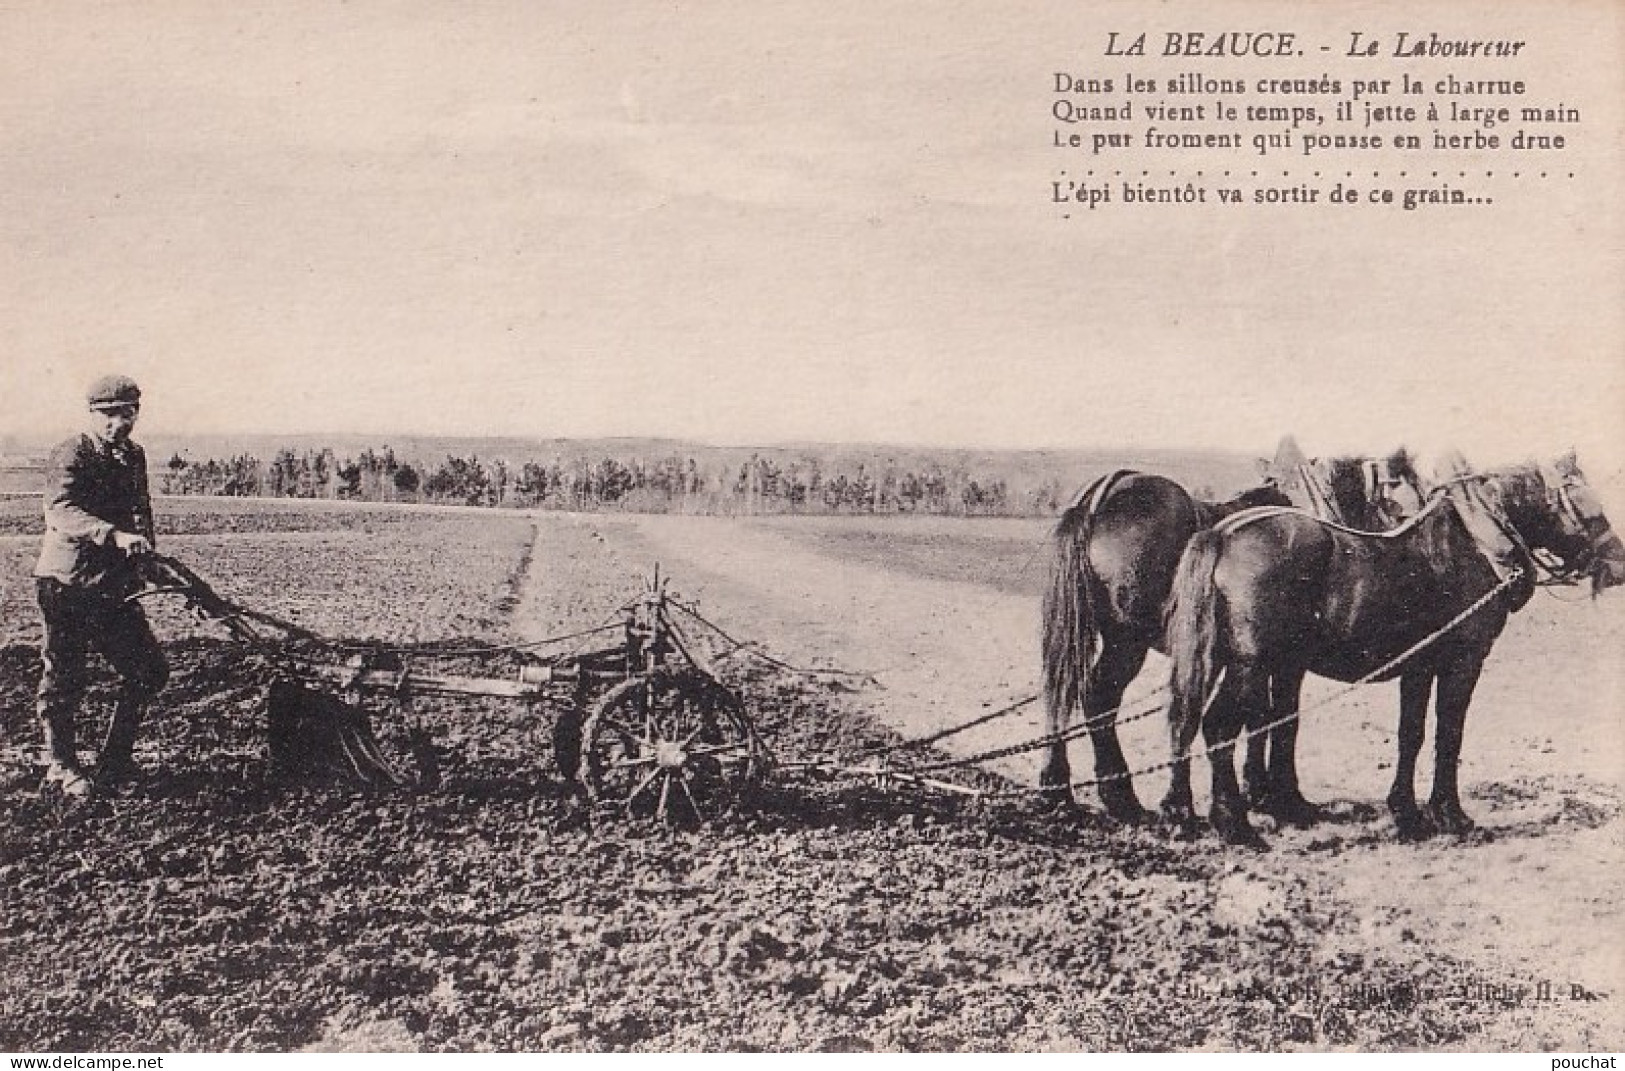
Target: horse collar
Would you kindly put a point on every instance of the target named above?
(1499, 560)
(1107, 486)
(1096, 492)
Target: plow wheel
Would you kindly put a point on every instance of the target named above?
(673, 745)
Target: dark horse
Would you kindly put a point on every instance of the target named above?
(1115, 549)
(1271, 595)
(1373, 494)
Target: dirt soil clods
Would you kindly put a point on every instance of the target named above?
(215, 906)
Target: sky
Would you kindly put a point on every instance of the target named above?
(764, 221)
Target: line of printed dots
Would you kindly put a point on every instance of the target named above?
(1327, 174)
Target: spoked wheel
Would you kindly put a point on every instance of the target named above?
(673, 745)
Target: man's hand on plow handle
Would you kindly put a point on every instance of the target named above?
(312, 733)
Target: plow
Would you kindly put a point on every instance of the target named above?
(642, 725)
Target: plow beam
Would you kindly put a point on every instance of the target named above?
(531, 683)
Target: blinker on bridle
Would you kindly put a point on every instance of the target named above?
(1557, 493)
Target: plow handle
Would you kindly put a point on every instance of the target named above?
(166, 575)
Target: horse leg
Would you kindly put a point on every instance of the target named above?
(1257, 777)
(1414, 686)
(1255, 772)
(1456, 686)
(1285, 798)
(1246, 690)
(1177, 807)
(1118, 665)
(1055, 779)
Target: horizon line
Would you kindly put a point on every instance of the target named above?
(384, 440)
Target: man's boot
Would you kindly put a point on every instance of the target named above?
(61, 759)
(116, 761)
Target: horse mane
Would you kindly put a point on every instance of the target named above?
(1401, 465)
(1521, 490)
(1345, 480)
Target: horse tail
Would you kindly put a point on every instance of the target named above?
(1191, 630)
(1070, 633)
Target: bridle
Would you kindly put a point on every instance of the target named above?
(1496, 515)
(1559, 491)
(1562, 501)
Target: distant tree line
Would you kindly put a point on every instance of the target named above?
(758, 486)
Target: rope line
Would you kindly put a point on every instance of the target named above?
(755, 649)
(1073, 732)
(1380, 671)
(953, 730)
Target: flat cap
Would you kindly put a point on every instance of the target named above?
(111, 392)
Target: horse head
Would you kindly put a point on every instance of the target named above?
(1595, 548)
(1515, 511)
(1481, 502)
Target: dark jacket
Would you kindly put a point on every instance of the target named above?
(91, 489)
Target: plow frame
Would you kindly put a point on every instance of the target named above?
(646, 725)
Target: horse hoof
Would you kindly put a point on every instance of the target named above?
(1239, 832)
(1413, 826)
(1055, 801)
(1450, 819)
(1122, 805)
(1178, 814)
(1299, 813)
(1413, 832)
(1131, 816)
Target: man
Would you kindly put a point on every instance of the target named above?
(98, 523)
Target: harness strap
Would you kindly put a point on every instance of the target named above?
(1259, 513)
(1323, 504)
(1557, 487)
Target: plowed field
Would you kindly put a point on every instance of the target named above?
(215, 906)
